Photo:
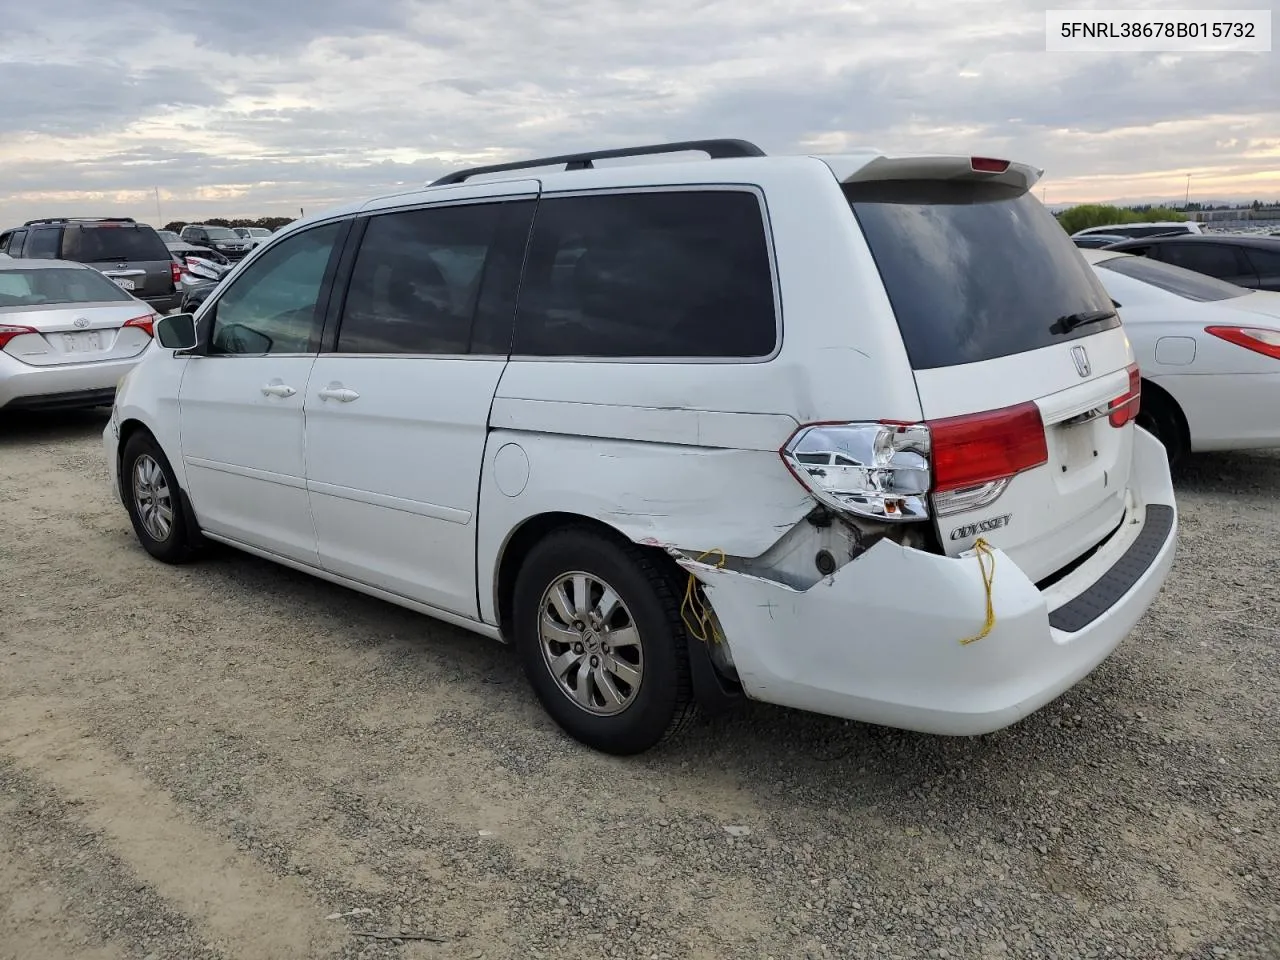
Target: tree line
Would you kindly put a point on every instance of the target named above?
(271, 223)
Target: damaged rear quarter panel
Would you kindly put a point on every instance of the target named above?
(693, 497)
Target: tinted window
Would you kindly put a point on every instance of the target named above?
(1266, 262)
(43, 244)
(670, 274)
(30, 288)
(274, 306)
(1184, 283)
(112, 243)
(219, 233)
(1217, 260)
(974, 273)
(15, 243)
(421, 276)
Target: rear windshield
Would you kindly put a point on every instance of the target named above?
(1185, 283)
(974, 273)
(33, 287)
(100, 244)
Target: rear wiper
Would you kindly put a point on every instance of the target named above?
(1072, 320)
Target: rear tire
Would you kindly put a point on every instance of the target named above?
(154, 501)
(598, 630)
(1160, 416)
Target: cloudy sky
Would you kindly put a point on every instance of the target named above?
(257, 107)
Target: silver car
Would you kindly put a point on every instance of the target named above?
(67, 335)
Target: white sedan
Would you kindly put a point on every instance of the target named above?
(1209, 353)
(67, 335)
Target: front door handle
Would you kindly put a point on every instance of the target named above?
(277, 389)
(338, 392)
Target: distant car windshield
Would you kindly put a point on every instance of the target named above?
(93, 244)
(1184, 283)
(168, 236)
(221, 233)
(32, 287)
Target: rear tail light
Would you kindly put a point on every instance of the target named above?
(886, 471)
(874, 470)
(175, 272)
(1124, 408)
(975, 456)
(146, 324)
(988, 165)
(1258, 339)
(10, 330)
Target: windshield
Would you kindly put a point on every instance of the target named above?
(32, 287)
(974, 273)
(221, 233)
(1184, 283)
(93, 244)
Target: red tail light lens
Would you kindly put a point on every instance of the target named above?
(175, 272)
(146, 324)
(1124, 408)
(1258, 339)
(979, 448)
(10, 330)
(988, 165)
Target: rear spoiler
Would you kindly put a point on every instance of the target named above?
(1019, 176)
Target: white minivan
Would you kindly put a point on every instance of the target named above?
(852, 434)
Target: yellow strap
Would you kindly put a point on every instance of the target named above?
(987, 564)
(697, 618)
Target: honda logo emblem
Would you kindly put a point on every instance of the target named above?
(1081, 361)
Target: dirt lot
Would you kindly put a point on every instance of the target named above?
(233, 760)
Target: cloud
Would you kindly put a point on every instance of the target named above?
(251, 107)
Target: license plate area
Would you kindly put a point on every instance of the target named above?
(124, 283)
(87, 341)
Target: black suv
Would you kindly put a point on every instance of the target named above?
(130, 253)
(223, 239)
(1245, 260)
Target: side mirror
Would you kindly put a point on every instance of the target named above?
(177, 331)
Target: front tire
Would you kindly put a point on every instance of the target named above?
(154, 502)
(598, 630)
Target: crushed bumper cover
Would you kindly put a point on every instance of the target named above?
(879, 640)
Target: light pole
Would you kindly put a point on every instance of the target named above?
(1186, 203)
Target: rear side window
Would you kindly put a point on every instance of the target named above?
(648, 275)
(974, 273)
(1215, 259)
(1266, 262)
(43, 244)
(436, 281)
(1171, 279)
(15, 243)
(94, 244)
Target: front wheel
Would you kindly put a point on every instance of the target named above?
(598, 629)
(153, 500)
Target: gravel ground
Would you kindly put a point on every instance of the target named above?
(232, 760)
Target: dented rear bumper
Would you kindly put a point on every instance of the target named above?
(879, 640)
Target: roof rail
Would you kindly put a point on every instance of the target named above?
(32, 223)
(714, 149)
